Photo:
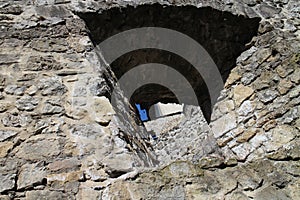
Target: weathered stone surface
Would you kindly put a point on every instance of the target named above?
(13, 120)
(118, 164)
(88, 193)
(280, 136)
(268, 11)
(64, 165)
(246, 108)
(31, 175)
(27, 103)
(5, 147)
(4, 197)
(267, 95)
(271, 192)
(7, 182)
(8, 58)
(52, 107)
(249, 180)
(15, 89)
(52, 86)
(233, 77)
(86, 150)
(44, 195)
(53, 45)
(224, 124)
(39, 148)
(53, 11)
(284, 86)
(86, 130)
(241, 93)
(103, 110)
(246, 135)
(226, 106)
(5, 134)
(46, 62)
(242, 151)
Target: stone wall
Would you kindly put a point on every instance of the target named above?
(60, 137)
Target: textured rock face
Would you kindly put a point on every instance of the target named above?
(60, 137)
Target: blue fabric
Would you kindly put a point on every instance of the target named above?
(142, 112)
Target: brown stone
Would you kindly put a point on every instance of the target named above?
(246, 135)
(269, 125)
(5, 147)
(241, 93)
(64, 165)
(284, 86)
(233, 77)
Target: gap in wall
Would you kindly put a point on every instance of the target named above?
(222, 34)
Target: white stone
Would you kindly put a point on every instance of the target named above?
(224, 124)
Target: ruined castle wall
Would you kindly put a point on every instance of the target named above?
(60, 137)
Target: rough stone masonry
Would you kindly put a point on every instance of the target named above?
(53, 147)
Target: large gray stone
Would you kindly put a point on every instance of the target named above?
(45, 195)
(271, 193)
(31, 175)
(40, 147)
(7, 182)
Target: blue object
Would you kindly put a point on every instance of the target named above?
(154, 137)
(142, 112)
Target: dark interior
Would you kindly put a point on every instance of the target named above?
(223, 35)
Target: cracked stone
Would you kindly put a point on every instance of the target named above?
(249, 180)
(38, 63)
(224, 124)
(31, 175)
(242, 151)
(291, 115)
(280, 136)
(269, 125)
(6, 134)
(39, 148)
(246, 108)
(49, 45)
(233, 77)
